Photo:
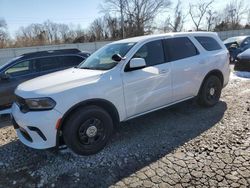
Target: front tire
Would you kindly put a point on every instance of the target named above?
(210, 91)
(88, 130)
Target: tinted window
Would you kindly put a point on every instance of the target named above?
(246, 42)
(208, 43)
(20, 69)
(179, 48)
(49, 63)
(71, 61)
(152, 52)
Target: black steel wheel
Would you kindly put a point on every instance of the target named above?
(88, 130)
(210, 91)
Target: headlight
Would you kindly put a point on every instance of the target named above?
(40, 104)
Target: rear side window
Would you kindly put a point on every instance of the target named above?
(180, 48)
(209, 43)
(152, 52)
(48, 63)
(71, 61)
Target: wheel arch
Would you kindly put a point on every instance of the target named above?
(106, 105)
(214, 72)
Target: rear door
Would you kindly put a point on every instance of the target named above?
(18, 73)
(48, 65)
(183, 54)
(148, 88)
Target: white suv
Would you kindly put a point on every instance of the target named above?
(81, 106)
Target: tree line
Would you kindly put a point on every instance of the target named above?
(129, 18)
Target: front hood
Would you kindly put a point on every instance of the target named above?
(244, 55)
(57, 82)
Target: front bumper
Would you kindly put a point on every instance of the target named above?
(36, 129)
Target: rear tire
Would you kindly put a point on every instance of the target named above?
(88, 130)
(210, 91)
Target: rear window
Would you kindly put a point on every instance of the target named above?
(209, 43)
(180, 48)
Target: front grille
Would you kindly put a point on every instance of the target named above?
(22, 104)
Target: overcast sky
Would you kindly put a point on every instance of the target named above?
(24, 12)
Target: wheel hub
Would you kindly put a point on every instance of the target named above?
(91, 131)
(212, 91)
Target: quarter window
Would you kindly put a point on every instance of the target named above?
(209, 43)
(71, 61)
(152, 52)
(180, 48)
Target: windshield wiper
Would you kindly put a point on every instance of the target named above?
(91, 68)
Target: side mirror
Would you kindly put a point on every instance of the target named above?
(117, 57)
(233, 46)
(136, 63)
(4, 76)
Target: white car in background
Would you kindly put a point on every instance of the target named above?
(81, 106)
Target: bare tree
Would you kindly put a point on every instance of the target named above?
(46, 33)
(198, 11)
(112, 26)
(248, 17)
(175, 22)
(211, 19)
(234, 12)
(142, 13)
(138, 15)
(97, 29)
(4, 37)
(116, 7)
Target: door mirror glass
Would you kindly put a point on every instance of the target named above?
(137, 63)
(4, 76)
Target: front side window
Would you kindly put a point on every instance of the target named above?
(20, 69)
(102, 58)
(209, 43)
(152, 52)
(180, 48)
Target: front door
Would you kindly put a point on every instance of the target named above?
(150, 87)
(17, 74)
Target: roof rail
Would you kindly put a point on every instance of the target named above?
(54, 52)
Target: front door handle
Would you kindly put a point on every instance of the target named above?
(164, 71)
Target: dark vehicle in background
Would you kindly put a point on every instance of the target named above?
(32, 65)
(242, 62)
(236, 45)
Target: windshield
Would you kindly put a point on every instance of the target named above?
(102, 58)
(235, 39)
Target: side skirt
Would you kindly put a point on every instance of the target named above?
(155, 109)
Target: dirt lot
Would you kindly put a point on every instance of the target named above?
(182, 146)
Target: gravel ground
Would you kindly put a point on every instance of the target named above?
(182, 146)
